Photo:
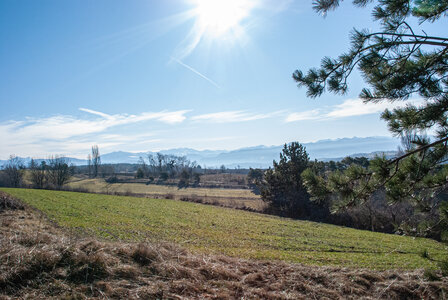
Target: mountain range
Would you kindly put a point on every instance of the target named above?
(261, 156)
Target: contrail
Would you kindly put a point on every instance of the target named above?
(94, 112)
(196, 72)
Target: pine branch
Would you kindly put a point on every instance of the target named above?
(418, 150)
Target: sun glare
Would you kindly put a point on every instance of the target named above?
(219, 17)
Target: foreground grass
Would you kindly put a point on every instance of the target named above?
(39, 260)
(237, 233)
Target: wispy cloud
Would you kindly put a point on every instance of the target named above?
(302, 116)
(121, 119)
(69, 134)
(349, 108)
(356, 107)
(195, 71)
(232, 116)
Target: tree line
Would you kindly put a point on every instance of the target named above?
(292, 188)
(160, 167)
(51, 173)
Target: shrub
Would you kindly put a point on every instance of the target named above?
(112, 179)
(8, 202)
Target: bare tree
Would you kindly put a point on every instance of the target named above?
(58, 171)
(143, 167)
(89, 164)
(96, 160)
(14, 170)
(38, 173)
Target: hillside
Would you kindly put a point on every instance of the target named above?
(214, 230)
(39, 260)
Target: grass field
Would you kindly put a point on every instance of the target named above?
(226, 197)
(215, 230)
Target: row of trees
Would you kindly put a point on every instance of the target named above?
(293, 188)
(53, 172)
(161, 167)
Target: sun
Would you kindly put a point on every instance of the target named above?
(220, 17)
(217, 22)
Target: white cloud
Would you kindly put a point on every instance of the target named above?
(302, 116)
(121, 119)
(172, 117)
(349, 108)
(356, 107)
(68, 134)
(62, 127)
(232, 116)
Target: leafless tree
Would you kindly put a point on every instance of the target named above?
(89, 164)
(38, 173)
(58, 171)
(96, 160)
(14, 170)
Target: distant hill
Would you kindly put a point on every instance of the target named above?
(262, 156)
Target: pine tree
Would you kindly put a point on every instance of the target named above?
(282, 188)
(396, 62)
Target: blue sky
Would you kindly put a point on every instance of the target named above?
(152, 75)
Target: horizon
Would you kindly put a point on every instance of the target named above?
(392, 140)
(152, 75)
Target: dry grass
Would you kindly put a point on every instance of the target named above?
(215, 230)
(224, 180)
(7, 202)
(233, 198)
(40, 260)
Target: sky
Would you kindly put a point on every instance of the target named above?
(148, 75)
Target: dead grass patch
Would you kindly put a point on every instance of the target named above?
(8, 202)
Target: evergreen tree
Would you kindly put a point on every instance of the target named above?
(396, 62)
(282, 188)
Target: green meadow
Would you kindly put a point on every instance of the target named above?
(216, 230)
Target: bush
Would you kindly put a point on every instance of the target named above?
(8, 202)
(112, 179)
(140, 173)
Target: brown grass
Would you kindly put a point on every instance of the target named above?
(226, 197)
(7, 202)
(40, 260)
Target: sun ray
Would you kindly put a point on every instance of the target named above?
(219, 17)
(216, 20)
